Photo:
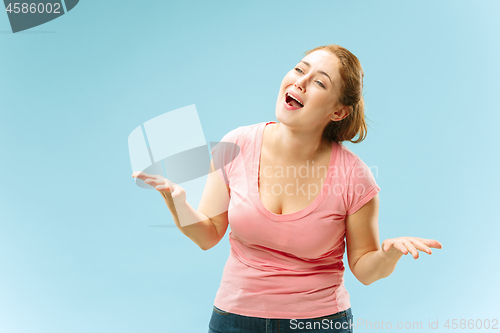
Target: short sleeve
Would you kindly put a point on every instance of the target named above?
(224, 153)
(361, 187)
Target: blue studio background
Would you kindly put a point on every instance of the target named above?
(78, 248)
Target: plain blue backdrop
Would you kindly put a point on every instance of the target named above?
(78, 248)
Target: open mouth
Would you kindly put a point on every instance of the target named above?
(292, 101)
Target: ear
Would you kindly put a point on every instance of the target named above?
(341, 113)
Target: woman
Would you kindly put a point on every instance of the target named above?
(289, 230)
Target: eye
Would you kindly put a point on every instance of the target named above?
(299, 70)
(320, 84)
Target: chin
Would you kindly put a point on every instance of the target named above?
(279, 112)
(280, 118)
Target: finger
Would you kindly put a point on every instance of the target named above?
(165, 184)
(411, 248)
(163, 188)
(176, 192)
(152, 182)
(432, 243)
(421, 246)
(141, 175)
(387, 246)
(399, 246)
(158, 180)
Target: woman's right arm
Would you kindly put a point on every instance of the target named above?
(205, 226)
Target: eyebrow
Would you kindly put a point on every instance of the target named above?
(321, 72)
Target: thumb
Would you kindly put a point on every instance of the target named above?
(176, 191)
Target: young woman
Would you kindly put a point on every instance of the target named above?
(295, 198)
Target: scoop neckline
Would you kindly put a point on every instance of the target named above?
(255, 184)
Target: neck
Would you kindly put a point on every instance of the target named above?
(297, 146)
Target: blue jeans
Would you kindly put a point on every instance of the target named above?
(226, 322)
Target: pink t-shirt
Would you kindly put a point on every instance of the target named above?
(287, 266)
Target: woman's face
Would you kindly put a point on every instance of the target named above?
(315, 83)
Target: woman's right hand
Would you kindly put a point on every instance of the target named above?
(162, 185)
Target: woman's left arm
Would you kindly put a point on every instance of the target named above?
(368, 260)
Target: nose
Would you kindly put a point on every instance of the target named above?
(301, 82)
(299, 85)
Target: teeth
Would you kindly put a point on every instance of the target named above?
(295, 99)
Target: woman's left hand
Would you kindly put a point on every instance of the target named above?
(403, 245)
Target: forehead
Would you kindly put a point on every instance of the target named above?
(324, 61)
